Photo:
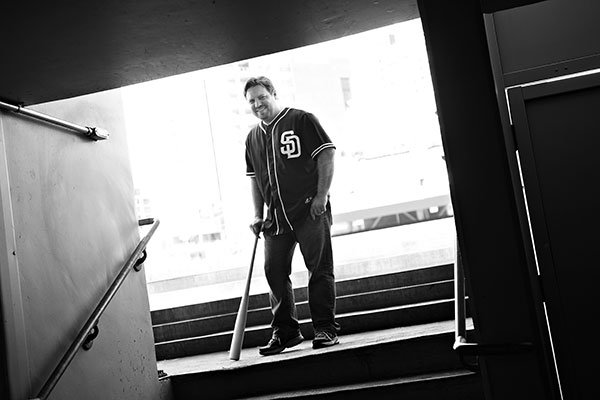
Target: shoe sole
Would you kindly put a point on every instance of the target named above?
(320, 345)
(290, 343)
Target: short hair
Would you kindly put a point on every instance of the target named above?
(259, 81)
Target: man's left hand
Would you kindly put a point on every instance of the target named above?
(318, 206)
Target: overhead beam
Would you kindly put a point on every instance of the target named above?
(63, 48)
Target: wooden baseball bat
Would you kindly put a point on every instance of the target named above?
(240, 321)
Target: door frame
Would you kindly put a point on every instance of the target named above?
(547, 278)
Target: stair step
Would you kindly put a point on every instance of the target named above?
(450, 385)
(360, 321)
(343, 288)
(374, 356)
(344, 304)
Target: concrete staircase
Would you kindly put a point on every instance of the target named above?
(396, 342)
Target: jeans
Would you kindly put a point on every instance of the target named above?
(314, 238)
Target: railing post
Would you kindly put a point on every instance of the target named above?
(459, 296)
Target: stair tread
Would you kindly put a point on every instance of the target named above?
(220, 361)
(364, 385)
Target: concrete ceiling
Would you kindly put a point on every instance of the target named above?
(59, 49)
(65, 48)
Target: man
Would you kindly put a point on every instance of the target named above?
(290, 160)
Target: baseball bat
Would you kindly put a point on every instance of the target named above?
(240, 321)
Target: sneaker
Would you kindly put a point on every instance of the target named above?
(324, 339)
(276, 345)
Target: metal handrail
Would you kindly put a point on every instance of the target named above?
(91, 132)
(461, 345)
(90, 330)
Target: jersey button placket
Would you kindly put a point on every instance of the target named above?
(271, 172)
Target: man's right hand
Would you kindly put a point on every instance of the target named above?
(257, 226)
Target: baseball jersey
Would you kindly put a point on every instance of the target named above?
(281, 156)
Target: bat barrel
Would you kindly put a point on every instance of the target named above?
(240, 321)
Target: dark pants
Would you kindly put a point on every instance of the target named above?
(314, 238)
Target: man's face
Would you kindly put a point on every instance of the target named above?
(262, 103)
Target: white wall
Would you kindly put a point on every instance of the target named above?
(74, 227)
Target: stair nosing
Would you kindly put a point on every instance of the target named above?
(437, 268)
(308, 320)
(305, 302)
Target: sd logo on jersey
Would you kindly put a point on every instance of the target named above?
(291, 144)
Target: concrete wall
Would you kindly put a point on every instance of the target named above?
(74, 227)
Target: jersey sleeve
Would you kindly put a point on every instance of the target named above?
(315, 138)
(250, 172)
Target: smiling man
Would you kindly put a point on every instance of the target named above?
(289, 158)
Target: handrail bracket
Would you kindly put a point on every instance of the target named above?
(138, 264)
(89, 340)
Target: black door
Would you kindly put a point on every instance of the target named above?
(557, 127)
